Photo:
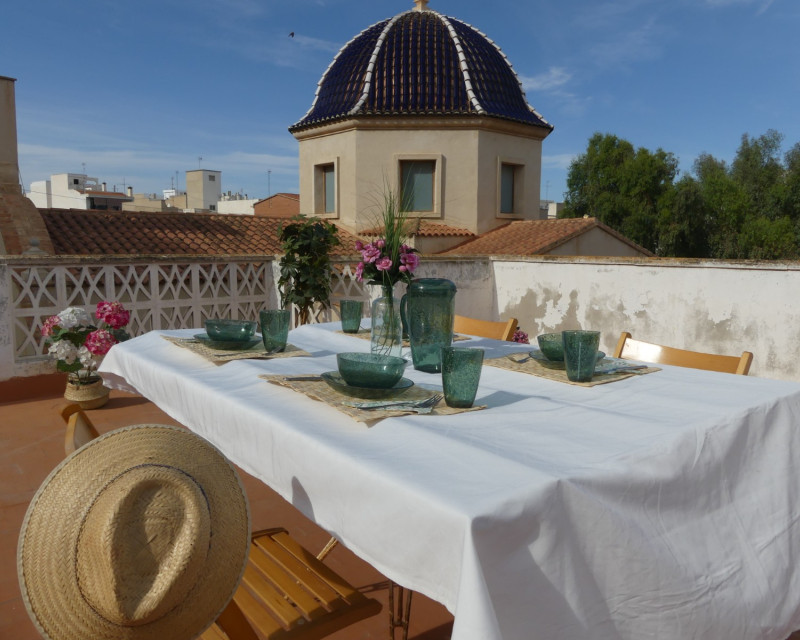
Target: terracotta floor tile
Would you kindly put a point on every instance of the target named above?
(31, 445)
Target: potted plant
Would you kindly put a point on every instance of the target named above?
(305, 278)
(77, 343)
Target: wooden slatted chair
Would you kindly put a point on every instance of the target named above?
(80, 429)
(503, 330)
(631, 349)
(286, 592)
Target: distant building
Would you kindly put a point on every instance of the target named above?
(203, 189)
(549, 210)
(236, 203)
(279, 205)
(564, 237)
(77, 191)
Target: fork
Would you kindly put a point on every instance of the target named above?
(399, 405)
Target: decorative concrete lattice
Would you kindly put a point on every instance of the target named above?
(175, 293)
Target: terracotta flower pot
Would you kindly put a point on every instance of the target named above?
(88, 396)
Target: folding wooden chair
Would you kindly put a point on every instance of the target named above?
(503, 330)
(286, 592)
(631, 349)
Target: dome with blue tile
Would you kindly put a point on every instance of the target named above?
(420, 63)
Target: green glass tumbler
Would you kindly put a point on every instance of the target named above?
(580, 354)
(461, 372)
(275, 329)
(351, 312)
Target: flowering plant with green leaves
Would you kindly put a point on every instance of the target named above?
(388, 260)
(77, 342)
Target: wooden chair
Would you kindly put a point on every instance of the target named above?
(286, 592)
(80, 429)
(503, 330)
(631, 349)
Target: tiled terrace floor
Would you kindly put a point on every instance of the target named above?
(32, 443)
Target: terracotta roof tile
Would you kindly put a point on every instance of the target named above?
(437, 229)
(533, 237)
(77, 232)
(424, 228)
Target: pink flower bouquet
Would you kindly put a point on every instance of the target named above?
(76, 342)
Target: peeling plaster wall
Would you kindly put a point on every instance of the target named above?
(720, 307)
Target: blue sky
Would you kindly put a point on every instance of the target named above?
(135, 92)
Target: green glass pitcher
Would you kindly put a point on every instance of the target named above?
(428, 308)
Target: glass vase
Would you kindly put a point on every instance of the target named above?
(386, 337)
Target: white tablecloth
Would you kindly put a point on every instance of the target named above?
(662, 506)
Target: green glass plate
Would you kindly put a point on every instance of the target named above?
(227, 345)
(336, 381)
(536, 354)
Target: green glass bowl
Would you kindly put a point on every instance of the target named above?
(370, 370)
(221, 330)
(551, 346)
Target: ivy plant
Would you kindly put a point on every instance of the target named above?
(305, 278)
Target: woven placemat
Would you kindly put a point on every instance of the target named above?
(218, 356)
(366, 334)
(320, 390)
(556, 371)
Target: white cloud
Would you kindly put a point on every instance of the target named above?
(553, 78)
(762, 5)
(554, 83)
(558, 161)
(628, 45)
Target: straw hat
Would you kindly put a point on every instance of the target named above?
(142, 534)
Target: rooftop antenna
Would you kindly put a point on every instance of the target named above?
(547, 191)
(199, 161)
(269, 187)
(83, 165)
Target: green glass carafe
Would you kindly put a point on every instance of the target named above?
(429, 307)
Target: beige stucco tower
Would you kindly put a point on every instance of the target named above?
(426, 105)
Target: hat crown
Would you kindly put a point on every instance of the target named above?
(142, 544)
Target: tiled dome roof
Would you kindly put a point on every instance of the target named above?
(420, 63)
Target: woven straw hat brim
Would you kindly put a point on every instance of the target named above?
(47, 550)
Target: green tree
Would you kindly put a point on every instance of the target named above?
(758, 170)
(764, 239)
(791, 201)
(621, 186)
(726, 206)
(683, 222)
(749, 209)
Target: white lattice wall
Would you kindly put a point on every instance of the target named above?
(160, 293)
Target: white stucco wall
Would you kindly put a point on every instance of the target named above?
(244, 207)
(719, 307)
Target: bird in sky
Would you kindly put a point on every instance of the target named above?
(291, 35)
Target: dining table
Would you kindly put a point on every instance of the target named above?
(664, 504)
